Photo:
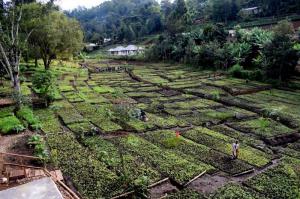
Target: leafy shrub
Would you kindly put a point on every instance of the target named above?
(10, 124)
(140, 186)
(7, 111)
(38, 143)
(25, 113)
(236, 70)
(43, 85)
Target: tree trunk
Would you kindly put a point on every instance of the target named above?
(36, 62)
(17, 89)
(46, 63)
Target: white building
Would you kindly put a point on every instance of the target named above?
(126, 51)
(250, 11)
(90, 46)
(106, 40)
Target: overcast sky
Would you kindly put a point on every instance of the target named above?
(71, 4)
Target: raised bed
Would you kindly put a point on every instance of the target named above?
(106, 125)
(73, 97)
(90, 176)
(70, 116)
(242, 137)
(103, 89)
(263, 127)
(93, 98)
(168, 163)
(197, 103)
(121, 161)
(223, 144)
(50, 123)
(186, 147)
(236, 191)
(80, 129)
(281, 181)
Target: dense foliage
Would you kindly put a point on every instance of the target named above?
(119, 20)
(128, 20)
(254, 54)
(43, 84)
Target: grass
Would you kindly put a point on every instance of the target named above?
(10, 124)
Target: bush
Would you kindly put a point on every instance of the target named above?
(10, 124)
(38, 143)
(26, 114)
(43, 85)
(280, 59)
(236, 70)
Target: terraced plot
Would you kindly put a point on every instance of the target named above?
(96, 138)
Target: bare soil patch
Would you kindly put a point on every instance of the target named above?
(162, 190)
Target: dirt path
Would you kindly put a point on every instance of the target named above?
(15, 143)
(162, 190)
(208, 184)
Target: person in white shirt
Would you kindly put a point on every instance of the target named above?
(235, 150)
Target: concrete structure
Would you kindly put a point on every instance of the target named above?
(43, 188)
(126, 51)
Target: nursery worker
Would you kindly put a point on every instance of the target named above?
(144, 116)
(235, 149)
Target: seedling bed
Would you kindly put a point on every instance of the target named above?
(262, 127)
(223, 144)
(278, 182)
(181, 145)
(90, 176)
(168, 163)
(112, 156)
(70, 116)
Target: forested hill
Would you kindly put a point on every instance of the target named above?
(126, 20)
(120, 19)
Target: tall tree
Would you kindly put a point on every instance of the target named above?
(57, 36)
(166, 7)
(179, 18)
(11, 43)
